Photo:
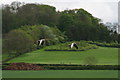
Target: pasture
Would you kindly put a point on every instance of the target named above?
(62, 74)
(101, 55)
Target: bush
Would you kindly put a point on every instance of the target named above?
(61, 37)
(104, 44)
(61, 66)
(52, 34)
(83, 67)
(18, 42)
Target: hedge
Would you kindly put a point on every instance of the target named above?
(75, 67)
(82, 46)
(113, 44)
(84, 67)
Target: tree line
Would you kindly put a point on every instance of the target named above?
(77, 24)
(30, 22)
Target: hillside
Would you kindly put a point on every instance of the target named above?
(100, 56)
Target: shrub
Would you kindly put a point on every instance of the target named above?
(11, 66)
(61, 37)
(104, 44)
(18, 42)
(53, 34)
(84, 67)
(80, 67)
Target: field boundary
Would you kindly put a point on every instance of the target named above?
(105, 45)
(67, 50)
(73, 67)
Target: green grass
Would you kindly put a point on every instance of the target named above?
(5, 56)
(103, 55)
(62, 74)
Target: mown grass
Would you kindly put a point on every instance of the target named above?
(102, 55)
(62, 74)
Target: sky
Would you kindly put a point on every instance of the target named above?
(106, 10)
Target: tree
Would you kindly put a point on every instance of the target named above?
(19, 14)
(78, 24)
(18, 42)
(7, 19)
(53, 34)
(66, 21)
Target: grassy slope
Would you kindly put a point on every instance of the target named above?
(62, 74)
(104, 56)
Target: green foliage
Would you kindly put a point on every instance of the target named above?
(19, 14)
(52, 34)
(46, 32)
(25, 38)
(61, 37)
(33, 31)
(118, 37)
(39, 32)
(78, 24)
(17, 42)
(80, 67)
(104, 44)
(66, 21)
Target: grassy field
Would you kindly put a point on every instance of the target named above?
(102, 55)
(62, 74)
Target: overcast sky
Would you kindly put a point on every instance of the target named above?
(107, 10)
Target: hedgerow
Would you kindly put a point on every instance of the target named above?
(104, 44)
(82, 46)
